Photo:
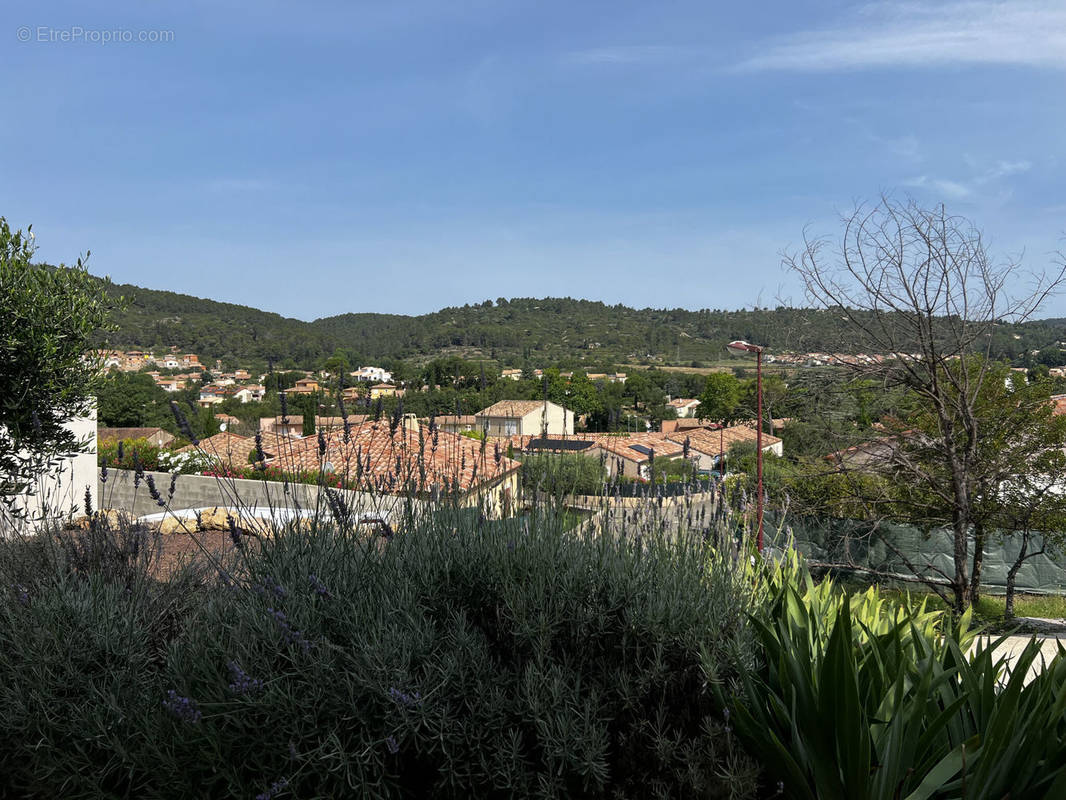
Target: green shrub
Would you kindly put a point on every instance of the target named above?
(561, 474)
(464, 658)
(126, 454)
(863, 699)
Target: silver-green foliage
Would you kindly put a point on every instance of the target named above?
(464, 658)
(50, 317)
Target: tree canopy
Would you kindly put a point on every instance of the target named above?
(51, 315)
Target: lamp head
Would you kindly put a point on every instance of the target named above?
(740, 346)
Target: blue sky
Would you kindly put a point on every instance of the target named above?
(325, 157)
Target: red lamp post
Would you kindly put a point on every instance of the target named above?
(744, 347)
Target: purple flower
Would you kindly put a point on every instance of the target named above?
(154, 492)
(318, 587)
(184, 708)
(288, 633)
(275, 789)
(241, 682)
(405, 699)
(269, 586)
(234, 531)
(392, 745)
(21, 594)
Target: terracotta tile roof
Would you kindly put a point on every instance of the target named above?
(115, 434)
(452, 419)
(230, 443)
(618, 444)
(338, 422)
(226, 446)
(511, 408)
(712, 442)
(622, 445)
(388, 461)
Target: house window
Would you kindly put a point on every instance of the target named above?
(510, 427)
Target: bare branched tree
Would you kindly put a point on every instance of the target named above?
(916, 298)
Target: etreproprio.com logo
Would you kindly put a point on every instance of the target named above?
(76, 34)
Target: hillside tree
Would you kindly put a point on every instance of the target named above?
(918, 288)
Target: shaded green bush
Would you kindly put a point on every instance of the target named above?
(128, 453)
(464, 658)
(561, 474)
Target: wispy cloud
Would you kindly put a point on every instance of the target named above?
(629, 54)
(968, 188)
(952, 189)
(908, 34)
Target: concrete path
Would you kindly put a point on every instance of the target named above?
(1050, 632)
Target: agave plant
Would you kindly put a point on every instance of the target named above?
(863, 698)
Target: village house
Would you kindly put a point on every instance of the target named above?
(630, 455)
(282, 426)
(245, 394)
(372, 375)
(337, 423)
(685, 424)
(109, 359)
(156, 436)
(172, 383)
(512, 374)
(385, 390)
(685, 407)
(235, 451)
(306, 386)
(525, 418)
(376, 456)
(133, 361)
(708, 445)
(622, 454)
(353, 394)
(211, 395)
(453, 423)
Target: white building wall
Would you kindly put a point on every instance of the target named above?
(560, 421)
(60, 492)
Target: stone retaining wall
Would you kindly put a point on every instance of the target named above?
(199, 491)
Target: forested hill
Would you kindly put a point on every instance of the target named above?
(212, 329)
(544, 331)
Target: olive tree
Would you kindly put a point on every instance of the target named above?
(915, 293)
(50, 316)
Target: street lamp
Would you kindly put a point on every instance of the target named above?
(740, 346)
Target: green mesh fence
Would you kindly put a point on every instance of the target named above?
(887, 547)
